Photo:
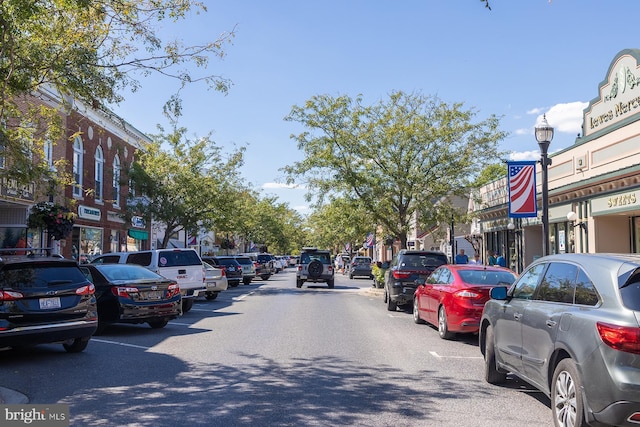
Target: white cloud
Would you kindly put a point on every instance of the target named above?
(524, 155)
(280, 185)
(566, 118)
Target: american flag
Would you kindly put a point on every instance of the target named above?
(370, 241)
(347, 247)
(522, 189)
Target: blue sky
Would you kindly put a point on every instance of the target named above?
(519, 60)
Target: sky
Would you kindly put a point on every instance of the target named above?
(518, 61)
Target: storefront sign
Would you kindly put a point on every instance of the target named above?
(138, 222)
(9, 188)
(619, 97)
(87, 212)
(619, 202)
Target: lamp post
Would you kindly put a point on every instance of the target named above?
(544, 135)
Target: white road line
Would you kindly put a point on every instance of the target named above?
(120, 343)
(437, 356)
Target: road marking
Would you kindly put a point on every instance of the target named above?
(120, 343)
(437, 356)
(243, 296)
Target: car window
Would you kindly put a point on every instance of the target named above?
(482, 277)
(142, 258)
(630, 291)
(178, 259)
(528, 282)
(586, 293)
(446, 277)
(558, 283)
(244, 260)
(107, 259)
(423, 260)
(41, 275)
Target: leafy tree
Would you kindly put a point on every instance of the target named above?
(397, 157)
(491, 173)
(87, 50)
(186, 187)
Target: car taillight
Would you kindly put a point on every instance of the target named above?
(222, 272)
(299, 267)
(623, 338)
(173, 290)
(86, 290)
(124, 291)
(467, 294)
(330, 268)
(401, 274)
(10, 295)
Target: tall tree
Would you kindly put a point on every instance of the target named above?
(189, 186)
(397, 157)
(88, 50)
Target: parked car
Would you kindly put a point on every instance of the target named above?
(129, 293)
(408, 268)
(45, 300)
(182, 265)
(248, 268)
(360, 267)
(315, 266)
(215, 279)
(453, 296)
(265, 266)
(232, 268)
(570, 327)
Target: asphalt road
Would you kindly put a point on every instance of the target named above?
(269, 354)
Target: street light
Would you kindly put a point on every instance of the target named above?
(544, 135)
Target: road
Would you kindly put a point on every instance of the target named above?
(269, 354)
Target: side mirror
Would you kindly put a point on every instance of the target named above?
(498, 293)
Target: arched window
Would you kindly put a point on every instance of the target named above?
(77, 167)
(99, 161)
(116, 180)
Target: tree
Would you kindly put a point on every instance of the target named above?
(188, 187)
(491, 173)
(87, 50)
(397, 157)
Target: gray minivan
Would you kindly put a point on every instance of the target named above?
(179, 264)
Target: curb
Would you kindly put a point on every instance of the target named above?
(12, 397)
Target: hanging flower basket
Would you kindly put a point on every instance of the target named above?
(57, 220)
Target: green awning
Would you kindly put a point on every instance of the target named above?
(139, 234)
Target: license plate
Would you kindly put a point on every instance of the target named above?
(154, 295)
(49, 303)
(303, 277)
(211, 284)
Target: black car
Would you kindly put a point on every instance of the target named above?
(407, 269)
(45, 299)
(232, 268)
(265, 267)
(129, 293)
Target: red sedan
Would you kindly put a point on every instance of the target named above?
(453, 296)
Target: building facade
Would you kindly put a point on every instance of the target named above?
(594, 185)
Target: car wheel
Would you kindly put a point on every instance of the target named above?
(265, 277)
(391, 305)
(246, 281)
(384, 297)
(416, 313)
(351, 276)
(187, 303)
(158, 324)
(102, 326)
(443, 327)
(566, 398)
(491, 373)
(211, 295)
(331, 284)
(234, 284)
(76, 345)
(299, 283)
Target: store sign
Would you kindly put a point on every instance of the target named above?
(87, 212)
(619, 96)
(619, 202)
(138, 222)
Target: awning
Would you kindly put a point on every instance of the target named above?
(138, 234)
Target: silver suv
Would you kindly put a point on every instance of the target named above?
(570, 326)
(315, 266)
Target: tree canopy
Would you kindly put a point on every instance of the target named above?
(89, 50)
(400, 158)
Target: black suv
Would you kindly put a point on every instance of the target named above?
(265, 266)
(407, 269)
(43, 300)
(315, 266)
(232, 269)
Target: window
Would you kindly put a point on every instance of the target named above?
(116, 180)
(528, 282)
(558, 283)
(99, 162)
(3, 144)
(585, 291)
(77, 167)
(48, 154)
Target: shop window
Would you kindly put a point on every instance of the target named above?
(86, 243)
